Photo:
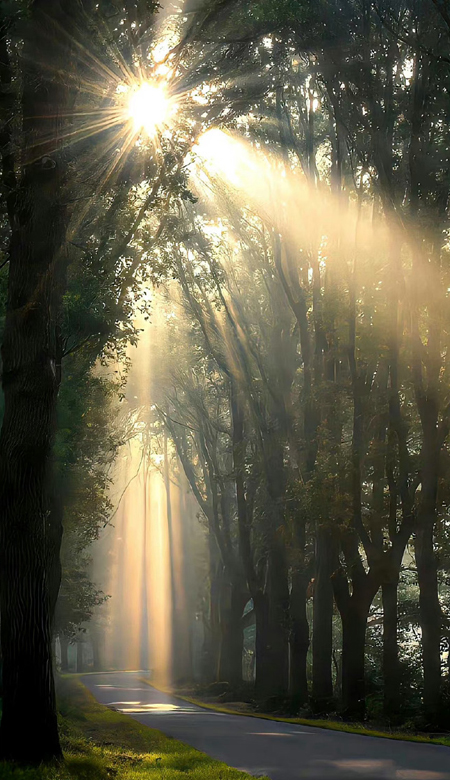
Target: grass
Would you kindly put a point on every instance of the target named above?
(101, 744)
(349, 728)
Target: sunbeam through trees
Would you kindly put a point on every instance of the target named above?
(225, 417)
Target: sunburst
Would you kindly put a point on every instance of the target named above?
(149, 108)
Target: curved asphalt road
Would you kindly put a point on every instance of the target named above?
(282, 751)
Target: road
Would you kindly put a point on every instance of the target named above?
(282, 751)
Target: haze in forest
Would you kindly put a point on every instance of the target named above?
(224, 283)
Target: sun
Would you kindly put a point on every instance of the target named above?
(149, 108)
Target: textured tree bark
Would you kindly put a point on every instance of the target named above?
(26, 643)
(322, 644)
(31, 375)
(30, 390)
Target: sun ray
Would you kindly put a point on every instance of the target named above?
(101, 184)
(75, 41)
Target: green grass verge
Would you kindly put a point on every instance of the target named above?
(101, 744)
(332, 725)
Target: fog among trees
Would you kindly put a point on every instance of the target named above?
(224, 296)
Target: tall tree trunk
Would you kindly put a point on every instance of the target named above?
(233, 601)
(54, 539)
(426, 374)
(97, 640)
(277, 585)
(298, 640)
(277, 644)
(244, 516)
(354, 608)
(430, 618)
(96, 654)
(64, 645)
(322, 645)
(354, 624)
(210, 661)
(270, 597)
(80, 659)
(263, 665)
(271, 656)
(391, 666)
(174, 673)
(279, 620)
(185, 606)
(271, 650)
(31, 374)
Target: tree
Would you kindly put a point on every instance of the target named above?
(31, 358)
(44, 187)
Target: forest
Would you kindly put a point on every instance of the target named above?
(258, 192)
